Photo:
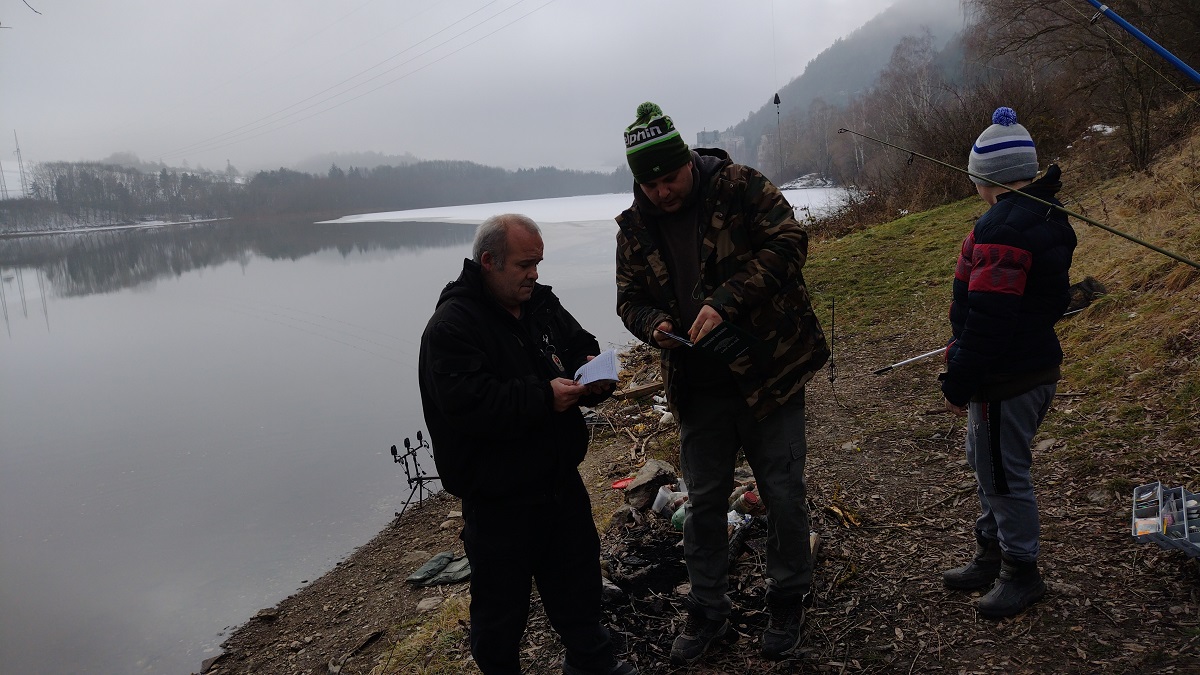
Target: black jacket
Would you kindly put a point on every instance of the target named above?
(485, 391)
(1010, 287)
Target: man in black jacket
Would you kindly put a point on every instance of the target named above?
(1010, 287)
(497, 358)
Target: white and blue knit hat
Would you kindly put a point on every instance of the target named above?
(1004, 152)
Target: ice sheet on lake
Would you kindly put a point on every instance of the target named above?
(584, 209)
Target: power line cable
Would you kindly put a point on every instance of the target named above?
(278, 54)
(262, 126)
(237, 131)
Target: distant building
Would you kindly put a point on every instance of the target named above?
(734, 145)
(767, 156)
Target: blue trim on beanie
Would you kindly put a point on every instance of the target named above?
(1002, 146)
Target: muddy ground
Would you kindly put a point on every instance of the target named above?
(893, 501)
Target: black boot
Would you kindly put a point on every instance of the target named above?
(1018, 586)
(981, 571)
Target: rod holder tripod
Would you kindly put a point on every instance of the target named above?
(414, 475)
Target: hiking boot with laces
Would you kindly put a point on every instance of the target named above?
(782, 636)
(697, 635)
(980, 572)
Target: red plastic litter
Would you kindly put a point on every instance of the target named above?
(622, 484)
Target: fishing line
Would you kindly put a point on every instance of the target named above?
(1112, 230)
(832, 347)
(774, 54)
(1092, 21)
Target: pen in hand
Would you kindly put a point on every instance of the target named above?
(677, 338)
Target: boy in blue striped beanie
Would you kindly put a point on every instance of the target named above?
(1004, 152)
(1003, 365)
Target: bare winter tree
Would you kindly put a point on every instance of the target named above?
(1119, 79)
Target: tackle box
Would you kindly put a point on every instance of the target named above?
(1163, 516)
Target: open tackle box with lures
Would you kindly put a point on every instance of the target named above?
(1169, 517)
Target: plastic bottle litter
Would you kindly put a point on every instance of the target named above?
(737, 492)
(750, 504)
(738, 525)
(667, 501)
(680, 516)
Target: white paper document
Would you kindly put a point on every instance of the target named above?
(603, 368)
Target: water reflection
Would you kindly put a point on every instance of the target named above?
(203, 422)
(78, 264)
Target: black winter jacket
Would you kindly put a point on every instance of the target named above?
(1010, 287)
(485, 392)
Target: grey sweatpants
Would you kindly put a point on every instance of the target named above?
(999, 434)
(712, 430)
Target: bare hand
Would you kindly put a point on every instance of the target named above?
(955, 410)
(706, 320)
(661, 340)
(566, 393)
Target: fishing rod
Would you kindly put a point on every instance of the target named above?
(1106, 228)
(885, 369)
(940, 350)
(1132, 30)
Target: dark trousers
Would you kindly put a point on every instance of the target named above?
(712, 430)
(511, 545)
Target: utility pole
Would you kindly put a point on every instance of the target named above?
(21, 167)
(779, 138)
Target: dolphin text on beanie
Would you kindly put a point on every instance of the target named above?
(653, 146)
(1004, 152)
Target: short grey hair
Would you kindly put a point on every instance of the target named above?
(492, 235)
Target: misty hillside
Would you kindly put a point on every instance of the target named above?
(851, 64)
(320, 164)
(129, 160)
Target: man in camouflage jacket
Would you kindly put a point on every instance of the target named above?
(708, 241)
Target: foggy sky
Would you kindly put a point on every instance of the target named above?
(514, 83)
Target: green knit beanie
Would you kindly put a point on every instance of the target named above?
(653, 145)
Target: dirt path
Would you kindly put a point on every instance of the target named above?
(875, 457)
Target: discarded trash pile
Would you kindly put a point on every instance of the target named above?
(646, 581)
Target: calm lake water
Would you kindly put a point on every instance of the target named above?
(195, 420)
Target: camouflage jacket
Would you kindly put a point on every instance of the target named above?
(751, 254)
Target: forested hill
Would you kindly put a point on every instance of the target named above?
(851, 65)
(74, 194)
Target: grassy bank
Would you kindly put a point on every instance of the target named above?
(1131, 357)
(1126, 414)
